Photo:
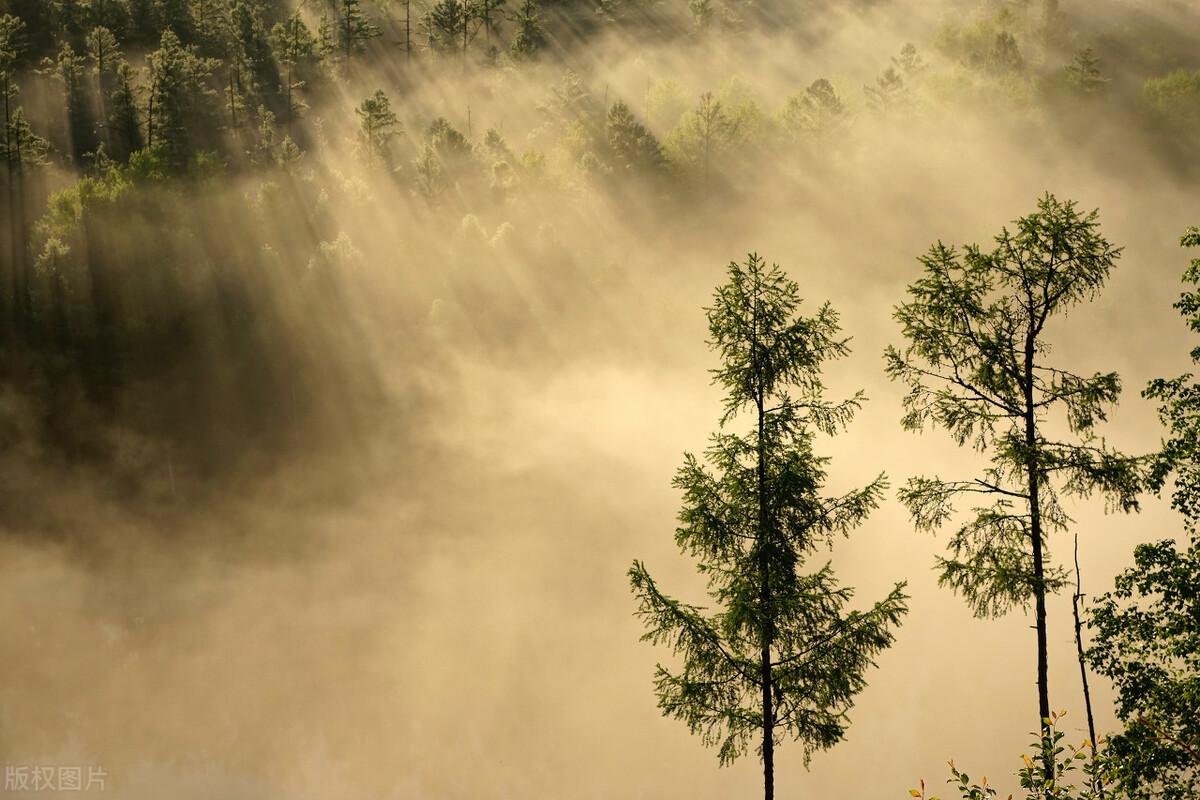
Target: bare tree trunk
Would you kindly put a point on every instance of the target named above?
(1076, 602)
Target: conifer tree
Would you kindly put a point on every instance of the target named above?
(631, 145)
(68, 68)
(12, 34)
(104, 52)
(530, 37)
(23, 148)
(110, 14)
(816, 114)
(180, 110)
(450, 25)
(703, 135)
(293, 43)
(176, 16)
(1083, 73)
(975, 363)
(377, 126)
(780, 655)
(355, 28)
(144, 25)
(489, 12)
(887, 92)
(124, 122)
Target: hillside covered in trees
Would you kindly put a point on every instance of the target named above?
(352, 343)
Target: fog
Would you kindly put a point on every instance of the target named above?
(415, 585)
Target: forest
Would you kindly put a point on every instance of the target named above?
(375, 374)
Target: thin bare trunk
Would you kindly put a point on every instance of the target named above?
(1076, 602)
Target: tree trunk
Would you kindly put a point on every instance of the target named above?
(768, 720)
(23, 299)
(289, 97)
(1076, 601)
(149, 113)
(9, 313)
(1035, 525)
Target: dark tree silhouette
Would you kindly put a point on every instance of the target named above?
(975, 364)
(780, 656)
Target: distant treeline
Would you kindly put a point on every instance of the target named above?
(143, 122)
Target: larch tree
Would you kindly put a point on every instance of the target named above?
(817, 114)
(377, 126)
(976, 364)
(779, 656)
(703, 135)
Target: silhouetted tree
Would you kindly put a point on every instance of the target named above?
(1006, 54)
(818, 113)
(1147, 639)
(110, 14)
(123, 115)
(909, 62)
(703, 134)
(975, 364)
(887, 92)
(780, 656)
(1083, 73)
(176, 16)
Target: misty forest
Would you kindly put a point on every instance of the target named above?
(600, 399)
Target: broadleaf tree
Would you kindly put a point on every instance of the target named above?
(1147, 630)
(778, 655)
(976, 364)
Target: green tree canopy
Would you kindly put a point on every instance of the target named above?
(976, 364)
(1147, 630)
(779, 655)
